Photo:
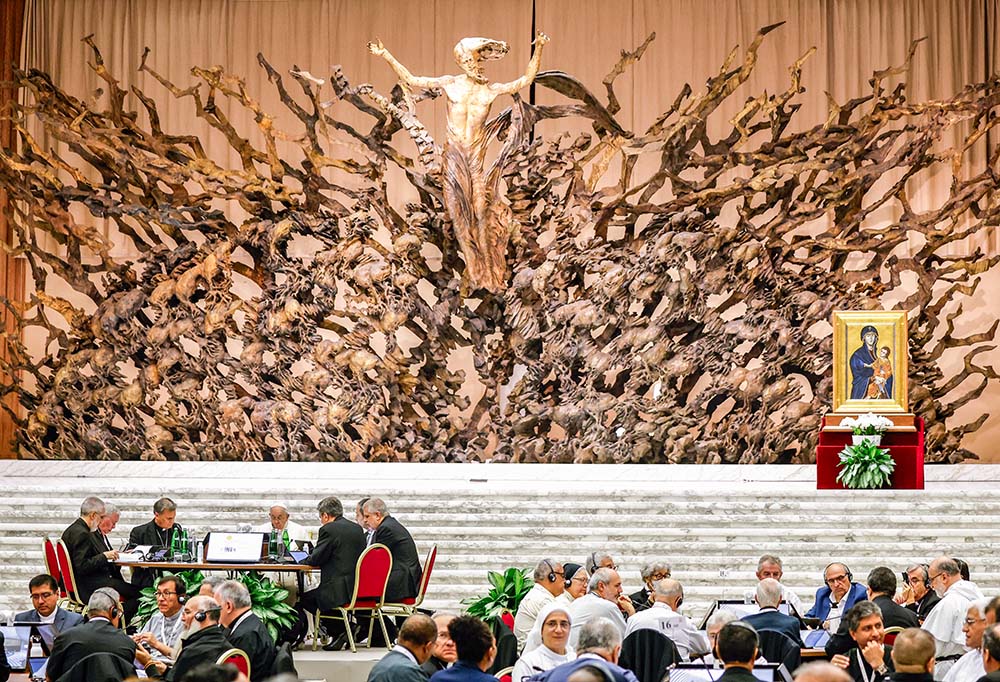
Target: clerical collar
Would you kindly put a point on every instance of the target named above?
(236, 623)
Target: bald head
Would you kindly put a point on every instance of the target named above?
(821, 671)
(913, 651)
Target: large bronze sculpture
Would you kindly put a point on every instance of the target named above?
(618, 323)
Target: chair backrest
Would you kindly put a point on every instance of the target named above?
(649, 654)
(66, 571)
(100, 665)
(372, 575)
(504, 675)
(425, 578)
(238, 658)
(508, 619)
(889, 634)
(777, 647)
(52, 563)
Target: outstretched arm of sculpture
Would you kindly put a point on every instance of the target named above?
(532, 71)
(407, 78)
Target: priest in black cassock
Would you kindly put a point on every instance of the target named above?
(159, 533)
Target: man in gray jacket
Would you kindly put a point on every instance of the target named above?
(417, 637)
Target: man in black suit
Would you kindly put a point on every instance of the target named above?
(881, 590)
(870, 660)
(924, 598)
(991, 654)
(205, 641)
(159, 533)
(99, 635)
(737, 647)
(244, 629)
(338, 547)
(913, 656)
(93, 565)
(769, 595)
(404, 580)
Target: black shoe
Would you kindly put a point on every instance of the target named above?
(338, 644)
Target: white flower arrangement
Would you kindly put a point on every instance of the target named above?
(867, 424)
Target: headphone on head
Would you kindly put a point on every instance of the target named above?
(114, 611)
(202, 616)
(927, 575)
(850, 576)
(551, 577)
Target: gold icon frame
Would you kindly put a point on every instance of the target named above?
(891, 329)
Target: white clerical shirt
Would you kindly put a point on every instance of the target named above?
(945, 622)
(591, 606)
(968, 668)
(677, 627)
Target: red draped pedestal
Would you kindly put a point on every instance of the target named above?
(906, 448)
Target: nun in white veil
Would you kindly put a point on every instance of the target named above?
(547, 645)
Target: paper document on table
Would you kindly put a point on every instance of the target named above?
(131, 556)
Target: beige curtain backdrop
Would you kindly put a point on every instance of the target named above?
(852, 38)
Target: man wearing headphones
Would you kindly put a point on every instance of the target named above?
(917, 594)
(838, 595)
(160, 634)
(550, 582)
(99, 635)
(204, 641)
(663, 616)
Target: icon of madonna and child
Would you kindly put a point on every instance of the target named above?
(871, 368)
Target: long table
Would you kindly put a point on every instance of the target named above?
(300, 570)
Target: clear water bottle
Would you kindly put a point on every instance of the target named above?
(272, 546)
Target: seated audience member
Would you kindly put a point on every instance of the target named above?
(108, 522)
(159, 532)
(963, 569)
(917, 595)
(443, 654)
(93, 566)
(881, 589)
(969, 667)
(4, 663)
(662, 616)
(604, 599)
(279, 520)
(404, 580)
(820, 671)
(598, 560)
(338, 547)
(650, 573)
(550, 582)
(869, 660)
(476, 649)
(600, 645)
(551, 630)
(204, 640)
(163, 630)
(770, 566)
(991, 654)
(576, 583)
(945, 621)
(213, 672)
(209, 584)
(244, 629)
(769, 618)
(359, 514)
(836, 597)
(992, 611)
(913, 656)
(100, 634)
(45, 599)
(737, 646)
(718, 620)
(417, 638)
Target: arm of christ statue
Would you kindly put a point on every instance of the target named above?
(405, 77)
(532, 71)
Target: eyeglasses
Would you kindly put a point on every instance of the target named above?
(561, 575)
(580, 579)
(613, 567)
(934, 577)
(42, 595)
(836, 579)
(163, 595)
(659, 576)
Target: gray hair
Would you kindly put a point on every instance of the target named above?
(164, 504)
(110, 509)
(980, 606)
(103, 600)
(594, 560)
(947, 565)
(860, 611)
(331, 506)
(543, 568)
(601, 575)
(233, 591)
(668, 587)
(769, 559)
(92, 505)
(374, 505)
(721, 617)
(599, 634)
(652, 567)
(213, 581)
(769, 592)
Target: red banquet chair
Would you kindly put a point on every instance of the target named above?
(408, 606)
(238, 658)
(52, 564)
(370, 579)
(68, 579)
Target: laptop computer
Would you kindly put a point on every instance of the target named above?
(16, 640)
(235, 548)
(700, 672)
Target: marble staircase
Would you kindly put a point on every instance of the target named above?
(710, 522)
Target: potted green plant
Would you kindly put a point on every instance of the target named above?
(865, 465)
(506, 592)
(867, 427)
(191, 580)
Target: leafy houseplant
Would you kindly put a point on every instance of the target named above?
(191, 580)
(268, 603)
(507, 591)
(865, 465)
(870, 425)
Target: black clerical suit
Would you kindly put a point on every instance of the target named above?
(923, 606)
(772, 619)
(150, 534)
(433, 665)
(92, 569)
(338, 547)
(640, 600)
(860, 671)
(404, 580)
(249, 634)
(893, 615)
(912, 677)
(97, 636)
(203, 646)
(736, 674)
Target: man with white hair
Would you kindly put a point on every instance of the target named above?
(651, 572)
(244, 629)
(604, 599)
(770, 566)
(969, 667)
(100, 634)
(600, 559)
(404, 580)
(662, 616)
(945, 622)
(108, 522)
(600, 644)
(769, 618)
(204, 640)
(550, 582)
(280, 520)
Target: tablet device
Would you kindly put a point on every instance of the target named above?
(37, 666)
(298, 556)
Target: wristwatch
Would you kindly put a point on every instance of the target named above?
(882, 669)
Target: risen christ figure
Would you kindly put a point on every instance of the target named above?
(481, 219)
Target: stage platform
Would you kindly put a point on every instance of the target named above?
(336, 666)
(710, 522)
